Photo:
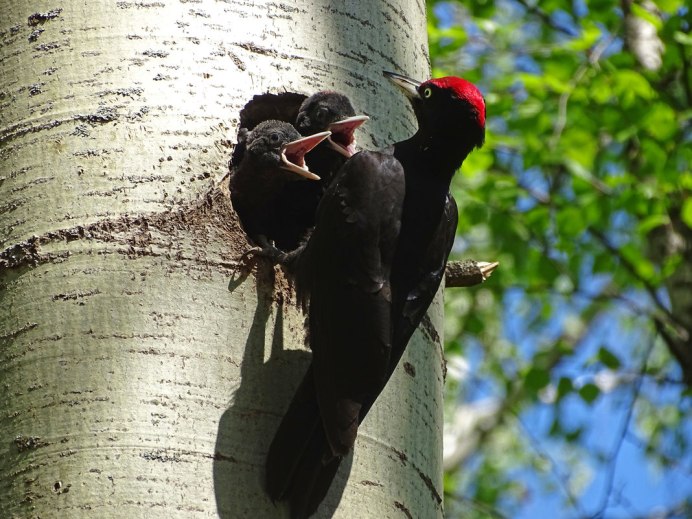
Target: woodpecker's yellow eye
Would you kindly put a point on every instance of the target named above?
(427, 92)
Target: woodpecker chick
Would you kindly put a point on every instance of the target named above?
(268, 158)
(331, 111)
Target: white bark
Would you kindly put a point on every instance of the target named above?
(138, 376)
(641, 35)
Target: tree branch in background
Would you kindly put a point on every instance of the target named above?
(477, 506)
(676, 341)
(651, 289)
(613, 458)
(561, 477)
(679, 511)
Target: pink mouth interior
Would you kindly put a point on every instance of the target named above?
(342, 133)
(344, 138)
(296, 153)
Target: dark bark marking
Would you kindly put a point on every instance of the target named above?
(25, 443)
(35, 34)
(355, 56)
(38, 18)
(224, 457)
(47, 46)
(347, 14)
(285, 8)
(410, 369)
(15, 333)
(104, 114)
(162, 456)
(35, 89)
(252, 47)
(431, 486)
(429, 329)
(75, 295)
(403, 458)
(400, 12)
(237, 61)
(152, 53)
(199, 12)
(139, 5)
(426, 479)
(123, 92)
(403, 508)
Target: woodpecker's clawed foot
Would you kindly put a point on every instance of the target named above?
(245, 261)
(271, 252)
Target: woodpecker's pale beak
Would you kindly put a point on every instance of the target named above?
(342, 139)
(408, 85)
(293, 154)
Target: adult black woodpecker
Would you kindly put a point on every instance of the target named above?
(324, 111)
(384, 230)
(264, 161)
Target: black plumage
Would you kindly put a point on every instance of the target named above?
(383, 233)
(264, 161)
(324, 111)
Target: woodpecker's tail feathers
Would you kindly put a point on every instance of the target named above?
(299, 466)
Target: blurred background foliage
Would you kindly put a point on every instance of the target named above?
(569, 371)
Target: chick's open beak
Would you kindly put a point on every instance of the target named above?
(293, 154)
(342, 139)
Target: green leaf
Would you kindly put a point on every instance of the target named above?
(529, 108)
(686, 212)
(564, 387)
(601, 89)
(630, 86)
(478, 161)
(669, 6)
(682, 38)
(608, 359)
(646, 15)
(556, 84)
(536, 379)
(635, 256)
(654, 155)
(570, 222)
(574, 435)
(651, 222)
(590, 33)
(685, 180)
(589, 392)
(659, 121)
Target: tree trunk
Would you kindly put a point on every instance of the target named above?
(141, 373)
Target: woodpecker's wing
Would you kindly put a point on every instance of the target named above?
(429, 276)
(346, 268)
